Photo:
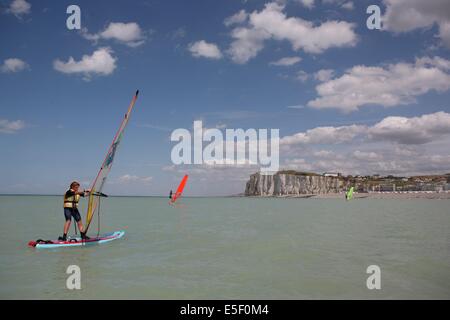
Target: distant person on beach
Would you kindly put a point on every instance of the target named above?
(71, 199)
(170, 195)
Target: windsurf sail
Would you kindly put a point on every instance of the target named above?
(179, 189)
(349, 194)
(99, 182)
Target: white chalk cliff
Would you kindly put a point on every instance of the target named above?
(281, 184)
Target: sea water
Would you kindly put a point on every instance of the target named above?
(231, 248)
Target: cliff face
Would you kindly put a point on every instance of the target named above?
(281, 184)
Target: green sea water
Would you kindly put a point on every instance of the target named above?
(232, 248)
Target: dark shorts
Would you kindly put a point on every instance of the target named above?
(69, 213)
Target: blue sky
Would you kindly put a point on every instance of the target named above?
(345, 98)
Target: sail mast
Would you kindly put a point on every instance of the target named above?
(100, 180)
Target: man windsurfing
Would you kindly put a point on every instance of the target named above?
(71, 199)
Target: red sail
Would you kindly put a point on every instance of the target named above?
(180, 189)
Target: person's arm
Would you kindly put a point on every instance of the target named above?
(84, 192)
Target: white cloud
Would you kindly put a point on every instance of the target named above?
(394, 145)
(366, 156)
(409, 15)
(324, 135)
(383, 160)
(101, 62)
(286, 61)
(302, 76)
(272, 23)
(306, 3)
(155, 127)
(214, 172)
(247, 44)
(393, 85)
(220, 126)
(348, 5)
(437, 62)
(129, 34)
(345, 4)
(359, 157)
(444, 33)
(204, 49)
(169, 168)
(299, 164)
(19, 8)
(298, 106)
(127, 178)
(397, 130)
(13, 65)
(179, 33)
(237, 18)
(416, 130)
(325, 154)
(324, 75)
(7, 126)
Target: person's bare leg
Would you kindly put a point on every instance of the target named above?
(80, 226)
(66, 226)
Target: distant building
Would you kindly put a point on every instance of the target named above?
(387, 187)
(332, 174)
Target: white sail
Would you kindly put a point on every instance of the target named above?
(99, 182)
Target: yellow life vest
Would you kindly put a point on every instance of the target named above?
(72, 201)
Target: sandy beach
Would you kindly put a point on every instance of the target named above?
(378, 195)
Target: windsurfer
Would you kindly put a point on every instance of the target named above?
(174, 197)
(71, 199)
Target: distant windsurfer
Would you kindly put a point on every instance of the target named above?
(349, 194)
(179, 192)
(71, 199)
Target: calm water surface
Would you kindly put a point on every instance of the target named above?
(232, 248)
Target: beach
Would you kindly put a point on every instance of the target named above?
(376, 195)
(387, 195)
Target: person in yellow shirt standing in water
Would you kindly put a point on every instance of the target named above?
(71, 199)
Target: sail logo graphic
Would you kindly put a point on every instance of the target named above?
(240, 147)
(110, 156)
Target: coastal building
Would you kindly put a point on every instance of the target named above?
(332, 174)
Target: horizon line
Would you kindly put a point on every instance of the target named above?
(140, 196)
